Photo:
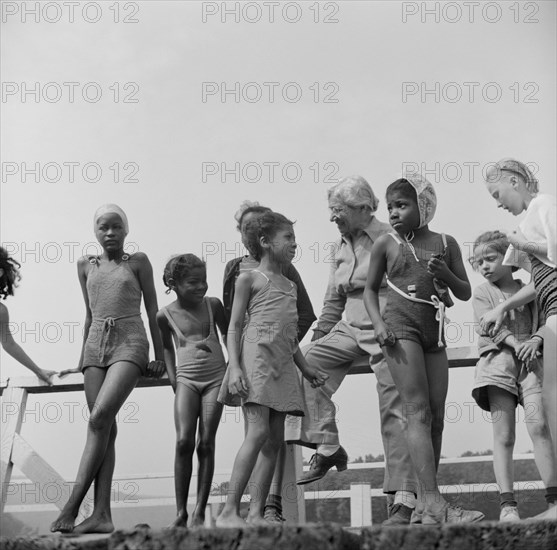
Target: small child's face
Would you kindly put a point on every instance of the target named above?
(110, 232)
(193, 286)
(404, 214)
(489, 263)
(283, 245)
(505, 191)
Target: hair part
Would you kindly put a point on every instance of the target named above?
(10, 276)
(267, 226)
(179, 267)
(354, 191)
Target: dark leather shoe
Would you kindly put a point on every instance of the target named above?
(320, 465)
(399, 514)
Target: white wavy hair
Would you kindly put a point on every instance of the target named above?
(354, 191)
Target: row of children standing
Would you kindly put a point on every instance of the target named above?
(262, 369)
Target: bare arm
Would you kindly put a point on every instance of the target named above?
(219, 316)
(168, 348)
(14, 349)
(491, 321)
(376, 271)
(453, 271)
(333, 305)
(145, 276)
(237, 383)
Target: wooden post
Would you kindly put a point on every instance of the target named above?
(293, 502)
(360, 504)
(14, 401)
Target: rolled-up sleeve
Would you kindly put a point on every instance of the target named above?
(333, 304)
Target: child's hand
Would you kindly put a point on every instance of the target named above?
(315, 376)
(528, 350)
(491, 322)
(65, 372)
(46, 376)
(155, 369)
(384, 336)
(237, 384)
(438, 268)
(517, 238)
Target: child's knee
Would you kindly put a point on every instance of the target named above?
(185, 445)
(538, 429)
(505, 438)
(205, 447)
(100, 421)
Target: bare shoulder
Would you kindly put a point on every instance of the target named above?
(139, 258)
(215, 304)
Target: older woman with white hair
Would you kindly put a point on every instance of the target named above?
(337, 342)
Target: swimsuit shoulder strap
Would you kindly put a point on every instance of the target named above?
(173, 324)
(261, 273)
(396, 238)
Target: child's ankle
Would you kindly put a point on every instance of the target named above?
(507, 499)
(551, 496)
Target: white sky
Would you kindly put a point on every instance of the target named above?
(363, 60)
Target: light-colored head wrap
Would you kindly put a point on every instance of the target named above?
(427, 200)
(111, 209)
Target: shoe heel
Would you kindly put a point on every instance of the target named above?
(342, 467)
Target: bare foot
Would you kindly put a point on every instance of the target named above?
(549, 514)
(230, 520)
(197, 520)
(95, 524)
(64, 523)
(180, 521)
(257, 520)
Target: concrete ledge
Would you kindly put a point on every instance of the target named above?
(487, 535)
(523, 535)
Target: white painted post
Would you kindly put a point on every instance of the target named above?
(360, 504)
(14, 401)
(293, 501)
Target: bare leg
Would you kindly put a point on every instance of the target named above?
(211, 411)
(275, 492)
(503, 406)
(538, 429)
(264, 468)
(115, 384)
(437, 369)
(406, 363)
(257, 434)
(187, 409)
(550, 376)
